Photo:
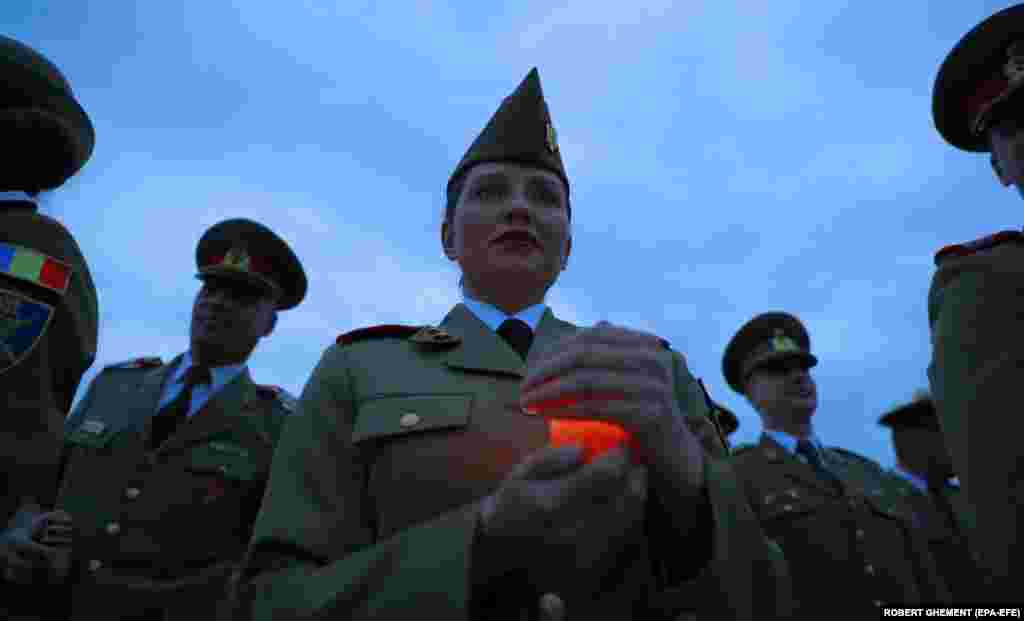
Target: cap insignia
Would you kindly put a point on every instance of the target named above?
(783, 343)
(237, 258)
(551, 137)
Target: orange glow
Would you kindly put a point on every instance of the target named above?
(595, 437)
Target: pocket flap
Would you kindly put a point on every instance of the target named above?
(231, 460)
(392, 416)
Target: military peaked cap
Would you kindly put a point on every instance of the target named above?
(520, 131)
(980, 80)
(767, 337)
(919, 413)
(247, 250)
(32, 84)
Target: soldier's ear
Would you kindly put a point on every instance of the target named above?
(568, 251)
(999, 171)
(448, 240)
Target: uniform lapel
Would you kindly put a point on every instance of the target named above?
(549, 330)
(218, 414)
(481, 349)
(791, 466)
(150, 390)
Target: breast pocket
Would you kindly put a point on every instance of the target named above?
(394, 418)
(420, 457)
(789, 504)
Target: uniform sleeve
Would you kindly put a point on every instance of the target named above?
(314, 551)
(744, 575)
(976, 308)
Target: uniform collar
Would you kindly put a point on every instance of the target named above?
(493, 316)
(220, 375)
(789, 441)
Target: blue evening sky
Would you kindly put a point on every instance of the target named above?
(727, 158)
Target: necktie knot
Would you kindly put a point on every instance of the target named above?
(813, 456)
(517, 334)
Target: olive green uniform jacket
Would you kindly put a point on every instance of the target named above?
(373, 498)
(942, 521)
(37, 391)
(976, 310)
(159, 532)
(854, 546)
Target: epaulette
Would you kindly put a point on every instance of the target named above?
(984, 243)
(393, 330)
(148, 362)
(282, 396)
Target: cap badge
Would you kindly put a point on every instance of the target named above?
(237, 258)
(551, 137)
(783, 343)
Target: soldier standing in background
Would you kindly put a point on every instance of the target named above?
(166, 463)
(932, 489)
(976, 300)
(48, 318)
(833, 512)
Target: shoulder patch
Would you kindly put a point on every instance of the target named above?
(969, 248)
(282, 396)
(393, 330)
(148, 362)
(432, 335)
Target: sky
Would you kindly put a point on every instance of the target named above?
(727, 158)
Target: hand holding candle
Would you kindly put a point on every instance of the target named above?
(604, 387)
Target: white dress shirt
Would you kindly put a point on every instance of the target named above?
(789, 442)
(201, 393)
(493, 316)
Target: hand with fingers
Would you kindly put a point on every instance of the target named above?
(35, 541)
(560, 521)
(617, 376)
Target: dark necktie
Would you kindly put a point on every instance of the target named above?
(810, 452)
(174, 413)
(517, 334)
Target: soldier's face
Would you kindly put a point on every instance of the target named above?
(510, 227)
(229, 317)
(1006, 140)
(784, 388)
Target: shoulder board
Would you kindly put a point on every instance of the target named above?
(971, 247)
(851, 455)
(392, 330)
(665, 344)
(149, 362)
(282, 396)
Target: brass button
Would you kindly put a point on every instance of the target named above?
(94, 565)
(787, 507)
(870, 569)
(132, 493)
(769, 499)
(860, 533)
(409, 420)
(793, 493)
(222, 469)
(113, 528)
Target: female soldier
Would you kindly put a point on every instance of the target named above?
(414, 483)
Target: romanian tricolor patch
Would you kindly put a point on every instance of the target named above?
(35, 267)
(23, 322)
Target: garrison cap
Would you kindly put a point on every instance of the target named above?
(980, 80)
(520, 131)
(767, 337)
(247, 250)
(32, 85)
(919, 413)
